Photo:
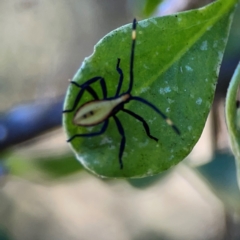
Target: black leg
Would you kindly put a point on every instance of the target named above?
(85, 86)
(88, 88)
(103, 129)
(77, 99)
(91, 81)
(134, 26)
(120, 77)
(79, 96)
(123, 141)
(102, 82)
(145, 125)
(104, 88)
(167, 120)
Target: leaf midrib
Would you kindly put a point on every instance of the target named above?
(191, 42)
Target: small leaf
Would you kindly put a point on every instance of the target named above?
(176, 66)
(39, 169)
(233, 117)
(150, 7)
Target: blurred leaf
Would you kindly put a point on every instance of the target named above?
(150, 7)
(233, 46)
(177, 61)
(142, 183)
(233, 117)
(59, 167)
(221, 175)
(43, 168)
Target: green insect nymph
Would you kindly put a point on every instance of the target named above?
(99, 111)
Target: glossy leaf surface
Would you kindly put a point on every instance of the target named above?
(177, 61)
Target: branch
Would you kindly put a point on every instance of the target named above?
(27, 121)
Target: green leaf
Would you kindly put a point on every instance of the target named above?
(233, 117)
(177, 61)
(40, 169)
(150, 7)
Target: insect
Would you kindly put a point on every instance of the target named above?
(99, 111)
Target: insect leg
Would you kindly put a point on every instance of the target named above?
(103, 129)
(145, 125)
(88, 88)
(102, 83)
(77, 99)
(120, 77)
(168, 121)
(91, 81)
(123, 141)
(79, 96)
(104, 88)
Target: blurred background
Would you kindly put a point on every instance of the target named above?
(44, 191)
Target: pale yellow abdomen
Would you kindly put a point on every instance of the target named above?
(97, 111)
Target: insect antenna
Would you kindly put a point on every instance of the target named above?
(134, 34)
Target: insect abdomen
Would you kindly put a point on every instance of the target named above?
(96, 111)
